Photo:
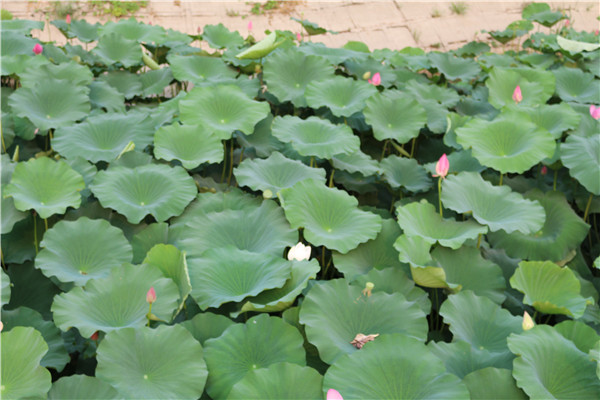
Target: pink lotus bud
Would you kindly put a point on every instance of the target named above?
(517, 95)
(199, 29)
(596, 32)
(36, 131)
(150, 23)
(527, 322)
(376, 80)
(595, 112)
(333, 394)
(94, 336)
(37, 49)
(298, 37)
(68, 19)
(151, 295)
(544, 170)
(442, 167)
(1, 326)
(567, 23)
(249, 25)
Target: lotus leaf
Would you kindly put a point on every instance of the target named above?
(455, 68)
(23, 26)
(219, 37)
(76, 74)
(342, 96)
(207, 325)
(10, 215)
(172, 264)
(334, 55)
(260, 342)
(207, 202)
(549, 288)
(145, 363)
(536, 86)
(493, 380)
(406, 173)
(581, 155)
(582, 335)
(103, 95)
(116, 302)
(39, 299)
(14, 43)
(192, 145)
(574, 46)
(128, 84)
(133, 30)
(260, 49)
(461, 358)
(555, 118)
(4, 289)
(81, 387)
(200, 70)
(155, 81)
(329, 216)
(356, 162)
(575, 85)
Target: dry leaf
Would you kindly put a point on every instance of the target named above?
(360, 340)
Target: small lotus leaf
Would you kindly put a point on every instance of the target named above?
(356, 162)
(192, 145)
(406, 173)
(454, 67)
(145, 363)
(81, 387)
(207, 325)
(343, 96)
(127, 83)
(219, 37)
(493, 380)
(200, 70)
(581, 155)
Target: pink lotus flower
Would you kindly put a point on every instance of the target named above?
(517, 95)
(333, 394)
(151, 295)
(567, 23)
(37, 49)
(595, 112)
(596, 32)
(298, 37)
(68, 19)
(94, 336)
(249, 25)
(442, 167)
(376, 80)
(544, 170)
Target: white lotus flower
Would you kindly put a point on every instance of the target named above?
(299, 252)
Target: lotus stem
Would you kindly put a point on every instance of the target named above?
(501, 176)
(555, 179)
(587, 208)
(312, 161)
(35, 242)
(331, 178)
(241, 156)
(412, 148)
(2, 138)
(400, 149)
(440, 196)
(224, 161)
(46, 224)
(148, 315)
(479, 240)
(384, 149)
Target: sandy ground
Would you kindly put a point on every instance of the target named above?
(390, 24)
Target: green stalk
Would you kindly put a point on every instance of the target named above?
(224, 161)
(384, 149)
(479, 240)
(587, 208)
(331, 178)
(501, 176)
(230, 162)
(35, 242)
(400, 149)
(440, 196)
(555, 179)
(412, 148)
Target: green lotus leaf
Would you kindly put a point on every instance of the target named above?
(77, 251)
(359, 67)
(22, 26)
(155, 81)
(555, 118)
(423, 220)
(549, 366)
(192, 145)
(133, 30)
(22, 278)
(498, 381)
(145, 363)
(454, 67)
(87, 170)
(222, 109)
(537, 86)
(113, 48)
(14, 43)
(549, 288)
(81, 387)
(334, 55)
(4, 289)
(343, 96)
(427, 92)
(279, 381)
(379, 370)
(288, 72)
(461, 358)
(17, 246)
(207, 325)
(54, 104)
(158, 190)
(266, 232)
(171, 262)
(397, 117)
(575, 85)
(275, 173)
(495, 206)
(356, 162)
(378, 253)
(102, 95)
(582, 335)
(127, 83)
(103, 137)
(260, 342)
(261, 140)
(227, 274)
(117, 301)
(574, 46)
(84, 31)
(279, 299)
(260, 49)
(406, 173)
(46, 186)
(76, 74)
(329, 216)
(581, 155)
(485, 326)
(507, 144)
(10, 215)
(562, 232)
(219, 37)
(22, 374)
(334, 312)
(200, 70)
(315, 136)
(19, 63)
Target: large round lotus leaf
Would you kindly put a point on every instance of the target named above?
(329, 216)
(378, 253)
(393, 367)
(506, 144)
(207, 325)
(582, 156)
(334, 312)
(582, 335)
(81, 387)
(229, 274)
(76, 74)
(549, 288)
(263, 229)
(116, 302)
(200, 70)
(562, 232)
(460, 358)
(536, 87)
(281, 298)
(14, 43)
(279, 381)
(397, 117)
(356, 162)
(343, 96)
(158, 190)
(57, 356)
(219, 37)
(133, 30)
(423, 220)
(155, 81)
(46, 186)
(454, 67)
(495, 206)
(573, 84)
(275, 173)
(315, 136)
(102, 95)
(192, 145)
(54, 104)
(171, 262)
(260, 342)
(103, 137)
(127, 83)
(549, 366)
(288, 72)
(555, 118)
(485, 326)
(499, 381)
(22, 26)
(427, 92)
(4, 289)
(406, 173)
(223, 109)
(144, 363)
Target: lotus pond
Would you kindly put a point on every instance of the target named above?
(278, 219)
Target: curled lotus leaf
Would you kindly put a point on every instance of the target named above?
(405, 172)
(355, 162)
(113, 48)
(10, 215)
(204, 326)
(260, 49)
(219, 37)
(454, 67)
(200, 70)
(343, 96)
(125, 82)
(574, 85)
(581, 155)
(4, 289)
(192, 145)
(555, 118)
(76, 74)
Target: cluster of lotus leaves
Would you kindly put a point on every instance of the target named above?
(197, 175)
